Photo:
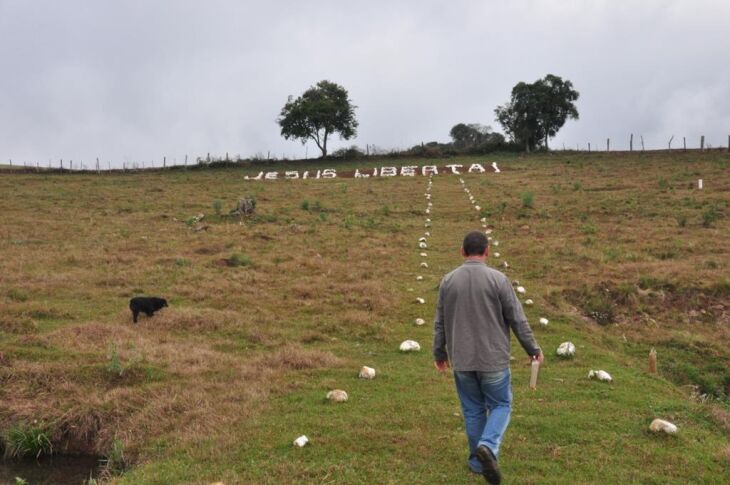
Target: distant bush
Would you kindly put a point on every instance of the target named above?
(237, 260)
(304, 205)
(217, 206)
(528, 200)
(348, 153)
(709, 216)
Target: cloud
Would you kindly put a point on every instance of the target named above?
(139, 80)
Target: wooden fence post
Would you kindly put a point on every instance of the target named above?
(164, 162)
(97, 165)
(631, 143)
(670, 143)
(702, 143)
(642, 143)
(186, 162)
(589, 147)
(684, 142)
(608, 144)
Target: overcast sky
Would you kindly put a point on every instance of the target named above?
(139, 80)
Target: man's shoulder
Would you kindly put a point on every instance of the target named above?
(490, 272)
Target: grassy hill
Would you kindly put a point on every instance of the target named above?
(622, 253)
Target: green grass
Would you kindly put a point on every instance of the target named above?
(218, 385)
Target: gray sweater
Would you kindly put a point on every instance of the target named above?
(476, 308)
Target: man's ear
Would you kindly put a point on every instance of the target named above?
(486, 252)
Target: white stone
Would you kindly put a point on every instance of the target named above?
(477, 207)
(410, 346)
(488, 232)
(505, 264)
(420, 300)
(495, 243)
(529, 302)
(301, 441)
(483, 219)
(366, 372)
(423, 245)
(424, 264)
(566, 349)
(496, 255)
(428, 211)
(601, 375)
(420, 321)
(428, 224)
(427, 234)
(419, 278)
(494, 166)
(423, 255)
(521, 290)
(428, 220)
(660, 425)
(337, 395)
(544, 321)
(422, 239)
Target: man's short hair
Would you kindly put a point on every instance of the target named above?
(475, 243)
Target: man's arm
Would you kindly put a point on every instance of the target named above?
(515, 317)
(439, 336)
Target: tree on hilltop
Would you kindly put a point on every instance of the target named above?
(322, 110)
(537, 111)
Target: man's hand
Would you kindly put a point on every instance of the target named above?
(441, 365)
(539, 357)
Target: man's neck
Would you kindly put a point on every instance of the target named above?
(477, 259)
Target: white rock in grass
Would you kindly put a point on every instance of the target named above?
(427, 234)
(461, 180)
(410, 346)
(422, 239)
(420, 300)
(494, 166)
(430, 204)
(424, 264)
(483, 219)
(420, 321)
(419, 278)
(301, 441)
(423, 245)
(428, 224)
(428, 211)
(496, 255)
(366, 372)
(601, 375)
(660, 425)
(521, 290)
(424, 255)
(566, 349)
(529, 302)
(495, 243)
(478, 208)
(337, 395)
(544, 321)
(505, 264)
(428, 220)
(488, 232)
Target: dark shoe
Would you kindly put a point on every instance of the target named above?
(490, 469)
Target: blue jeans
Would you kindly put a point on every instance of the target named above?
(486, 402)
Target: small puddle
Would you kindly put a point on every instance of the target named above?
(53, 470)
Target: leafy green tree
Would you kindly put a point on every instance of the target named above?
(322, 110)
(474, 136)
(537, 111)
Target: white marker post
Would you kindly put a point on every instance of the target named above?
(699, 184)
(534, 371)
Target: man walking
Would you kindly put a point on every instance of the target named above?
(476, 309)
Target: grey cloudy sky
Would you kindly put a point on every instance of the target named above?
(141, 79)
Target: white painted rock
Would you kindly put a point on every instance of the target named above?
(423, 245)
(430, 204)
(337, 395)
(529, 302)
(366, 372)
(419, 278)
(427, 234)
(301, 441)
(424, 255)
(428, 211)
(544, 321)
(428, 224)
(496, 255)
(495, 243)
(422, 239)
(410, 346)
(566, 349)
(494, 166)
(660, 425)
(428, 220)
(420, 321)
(601, 375)
(476, 207)
(420, 300)
(483, 219)
(505, 264)
(521, 290)
(424, 264)
(488, 232)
